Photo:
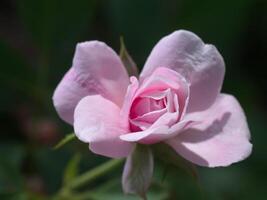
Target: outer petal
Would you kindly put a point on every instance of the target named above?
(201, 64)
(96, 70)
(97, 121)
(220, 140)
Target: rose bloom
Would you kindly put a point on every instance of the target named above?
(176, 100)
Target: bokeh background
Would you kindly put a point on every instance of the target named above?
(37, 42)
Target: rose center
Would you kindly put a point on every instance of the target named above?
(148, 108)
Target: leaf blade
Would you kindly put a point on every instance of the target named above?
(127, 60)
(64, 141)
(72, 169)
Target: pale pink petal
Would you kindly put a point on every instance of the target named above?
(170, 102)
(156, 134)
(148, 109)
(201, 64)
(161, 79)
(97, 121)
(129, 98)
(141, 106)
(219, 139)
(165, 126)
(164, 99)
(147, 119)
(164, 78)
(168, 119)
(67, 95)
(157, 95)
(96, 69)
(151, 117)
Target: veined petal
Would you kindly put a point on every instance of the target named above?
(96, 69)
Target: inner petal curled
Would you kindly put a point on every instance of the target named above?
(149, 108)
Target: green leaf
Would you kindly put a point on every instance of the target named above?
(127, 60)
(138, 171)
(72, 169)
(64, 141)
(167, 155)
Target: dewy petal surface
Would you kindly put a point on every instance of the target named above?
(201, 64)
(220, 139)
(96, 69)
(97, 121)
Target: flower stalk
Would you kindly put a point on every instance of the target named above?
(88, 177)
(91, 175)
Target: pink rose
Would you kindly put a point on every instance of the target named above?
(176, 100)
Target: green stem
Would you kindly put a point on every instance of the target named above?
(91, 175)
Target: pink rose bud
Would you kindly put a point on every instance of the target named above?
(176, 101)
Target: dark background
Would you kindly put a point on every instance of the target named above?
(37, 42)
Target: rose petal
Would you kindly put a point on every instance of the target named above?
(97, 121)
(141, 106)
(129, 98)
(220, 140)
(201, 64)
(147, 109)
(146, 120)
(156, 134)
(162, 79)
(96, 69)
(157, 95)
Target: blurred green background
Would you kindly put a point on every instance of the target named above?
(37, 42)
